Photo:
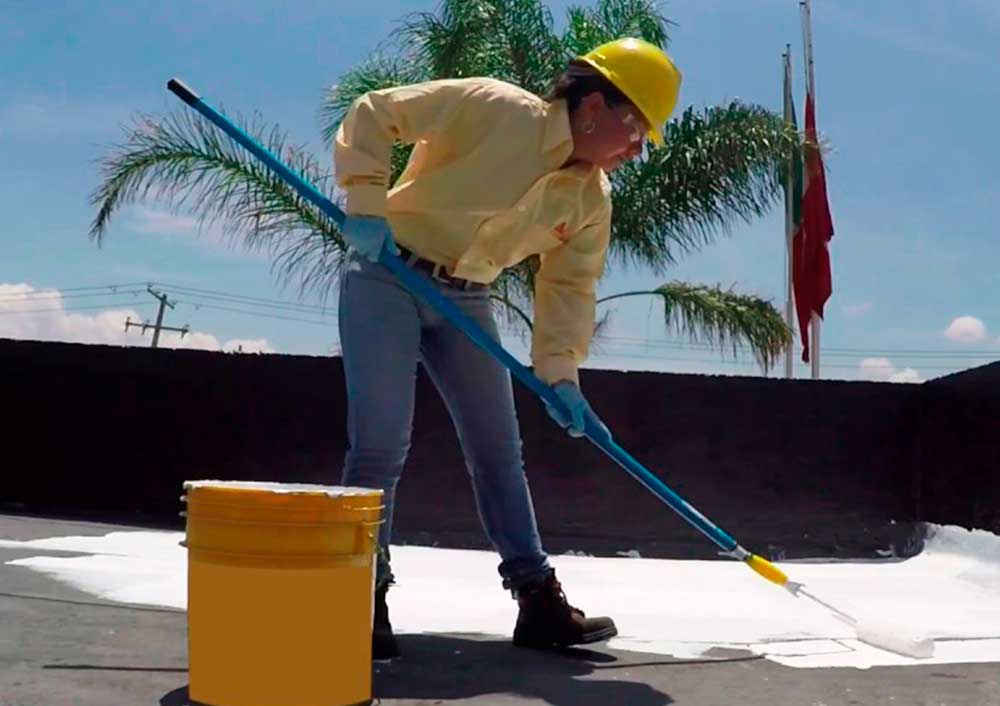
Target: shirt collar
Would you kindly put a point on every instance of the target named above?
(557, 132)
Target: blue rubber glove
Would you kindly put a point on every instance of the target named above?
(367, 235)
(579, 409)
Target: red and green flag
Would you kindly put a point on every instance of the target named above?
(812, 225)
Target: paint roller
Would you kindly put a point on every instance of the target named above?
(882, 634)
(888, 637)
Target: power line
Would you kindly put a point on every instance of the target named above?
(76, 308)
(256, 313)
(103, 286)
(247, 299)
(273, 304)
(848, 352)
(928, 351)
(916, 352)
(158, 326)
(47, 296)
(729, 362)
(596, 351)
(672, 359)
(725, 348)
(199, 298)
(119, 285)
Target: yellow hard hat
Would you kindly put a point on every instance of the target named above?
(645, 74)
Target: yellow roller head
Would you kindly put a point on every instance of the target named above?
(766, 569)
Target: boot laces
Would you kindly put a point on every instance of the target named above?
(555, 588)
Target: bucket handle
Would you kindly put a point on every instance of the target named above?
(276, 523)
(339, 559)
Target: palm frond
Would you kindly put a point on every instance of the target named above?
(442, 42)
(511, 311)
(378, 72)
(375, 74)
(719, 166)
(188, 163)
(614, 19)
(517, 283)
(721, 318)
(512, 40)
(716, 167)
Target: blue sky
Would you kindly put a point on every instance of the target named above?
(906, 95)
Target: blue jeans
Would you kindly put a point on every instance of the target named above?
(384, 332)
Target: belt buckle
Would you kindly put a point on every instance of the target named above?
(440, 274)
(436, 276)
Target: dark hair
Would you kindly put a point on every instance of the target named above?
(580, 80)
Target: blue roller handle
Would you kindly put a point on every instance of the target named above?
(420, 286)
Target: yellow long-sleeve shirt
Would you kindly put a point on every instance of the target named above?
(484, 189)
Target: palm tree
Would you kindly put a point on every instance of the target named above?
(718, 166)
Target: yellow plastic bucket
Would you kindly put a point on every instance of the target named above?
(280, 585)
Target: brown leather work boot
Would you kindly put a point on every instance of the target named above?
(384, 645)
(546, 620)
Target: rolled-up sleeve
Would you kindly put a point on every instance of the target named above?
(565, 301)
(364, 141)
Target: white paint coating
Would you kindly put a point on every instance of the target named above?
(333, 491)
(680, 608)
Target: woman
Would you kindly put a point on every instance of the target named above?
(496, 175)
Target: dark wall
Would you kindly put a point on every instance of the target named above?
(790, 468)
(958, 448)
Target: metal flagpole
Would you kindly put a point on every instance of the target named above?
(807, 46)
(789, 226)
(814, 322)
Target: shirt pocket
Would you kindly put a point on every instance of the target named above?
(545, 216)
(542, 220)
(534, 239)
(503, 241)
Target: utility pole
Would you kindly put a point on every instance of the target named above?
(158, 326)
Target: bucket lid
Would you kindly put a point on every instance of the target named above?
(332, 491)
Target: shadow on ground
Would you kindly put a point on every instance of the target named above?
(444, 667)
(448, 667)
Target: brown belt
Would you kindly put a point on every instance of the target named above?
(437, 272)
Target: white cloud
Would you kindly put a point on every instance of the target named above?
(28, 313)
(906, 375)
(877, 369)
(39, 314)
(966, 329)
(195, 340)
(882, 370)
(860, 309)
